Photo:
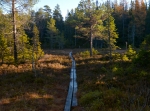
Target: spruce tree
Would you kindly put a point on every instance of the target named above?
(36, 45)
(51, 32)
(57, 16)
(139, 14)
(24, 47)
(111, 32)
(4, 51)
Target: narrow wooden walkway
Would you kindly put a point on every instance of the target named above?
(71, 99)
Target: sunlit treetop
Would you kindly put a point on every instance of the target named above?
(20, 5)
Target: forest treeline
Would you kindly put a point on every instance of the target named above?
(90, 24)
(129, 19)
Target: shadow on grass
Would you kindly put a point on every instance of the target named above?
(45, 92)
(117, 86)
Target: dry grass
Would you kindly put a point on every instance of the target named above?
(47, 61)
(22, 91)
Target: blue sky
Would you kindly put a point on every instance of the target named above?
(64, 5)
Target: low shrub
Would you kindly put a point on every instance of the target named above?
(125, 58)
(117, 70)
(116, 56)
(102, 101)
(130, 53)
(87, 53)
(142, 58)
(88, 98)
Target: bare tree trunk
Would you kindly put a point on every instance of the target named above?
(110, 49)
(91, 42)
(14, 30)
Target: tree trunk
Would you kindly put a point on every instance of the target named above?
(110, 52)
(91, 42)
(14, 30)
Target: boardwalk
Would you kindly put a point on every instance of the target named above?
(71, 97)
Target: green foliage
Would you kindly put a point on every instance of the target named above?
(95, 52)
(88, 23)
(9, 59)
(51, 28)
(146, 43)
(143, 73)
(103, 69)
(37, 52)
(24, 47)
(4, 51)
(88, 98)
(117, 70)
(120, 57)
(87, 53)
(128, 55)
(125, 57)
(110, 32)
(116, 56)
(112, 98)
(130, 52)
(54, 39)
(102, 100)
(142, 58)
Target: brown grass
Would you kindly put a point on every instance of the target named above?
(22, 91)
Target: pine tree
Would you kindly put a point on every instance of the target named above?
(90, 21)
(14, 6)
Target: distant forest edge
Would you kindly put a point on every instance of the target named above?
(25, 32)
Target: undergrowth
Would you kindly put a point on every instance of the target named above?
(122, 85)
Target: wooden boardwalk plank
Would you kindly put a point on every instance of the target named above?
(71, 97)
